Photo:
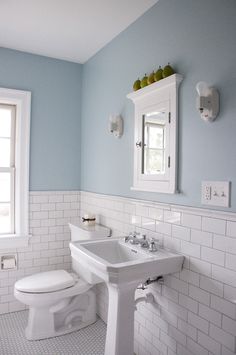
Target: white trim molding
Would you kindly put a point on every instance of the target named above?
(22, 101)
(15, 241)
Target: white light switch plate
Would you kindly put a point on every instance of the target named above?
(216, 193)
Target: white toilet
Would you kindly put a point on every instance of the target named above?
(59, 302)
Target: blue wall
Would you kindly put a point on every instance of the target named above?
(55, 119)
(198, 38)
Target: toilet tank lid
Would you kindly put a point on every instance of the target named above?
(49, 281)
(80, 231)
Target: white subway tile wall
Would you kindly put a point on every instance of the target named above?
(49, 214)
(195, 310)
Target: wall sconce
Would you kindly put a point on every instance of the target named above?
(116, 125)
(207, 101)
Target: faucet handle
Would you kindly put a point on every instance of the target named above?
(152, 245)
(133, 234)
(132, 238)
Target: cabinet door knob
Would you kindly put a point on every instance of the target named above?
(139, 144)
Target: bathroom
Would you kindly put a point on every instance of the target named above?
(79, 132)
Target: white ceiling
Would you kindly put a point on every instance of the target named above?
(73, 30)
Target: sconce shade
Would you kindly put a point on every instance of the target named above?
(207, 101)
(203, 88)
(116, 125)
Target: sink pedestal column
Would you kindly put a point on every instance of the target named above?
(120, 324)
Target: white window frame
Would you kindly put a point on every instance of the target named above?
(11, 168)
(22, 101)
(147, 100)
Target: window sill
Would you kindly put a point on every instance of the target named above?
(13, 241)
(161, 188)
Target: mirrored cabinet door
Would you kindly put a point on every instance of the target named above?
(156, 136)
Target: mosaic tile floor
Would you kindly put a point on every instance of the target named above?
(87, 341)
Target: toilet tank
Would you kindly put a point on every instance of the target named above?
(79, 231)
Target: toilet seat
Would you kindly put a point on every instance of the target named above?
(44, 282)
(49, 298)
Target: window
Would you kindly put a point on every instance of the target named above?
(156, 136)
(7, 168)
(14, 167)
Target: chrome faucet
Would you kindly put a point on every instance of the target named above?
(142, 241)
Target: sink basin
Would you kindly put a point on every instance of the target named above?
(122, 266)
(114, 261)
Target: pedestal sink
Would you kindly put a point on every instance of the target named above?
(123, 267)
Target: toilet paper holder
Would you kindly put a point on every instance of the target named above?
(8, 261)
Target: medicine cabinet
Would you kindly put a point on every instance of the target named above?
(156, 136)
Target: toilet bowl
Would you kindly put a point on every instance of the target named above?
(60, 302)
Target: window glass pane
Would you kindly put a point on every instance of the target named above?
(5, 144)
(154, 161)
(5, 184)
(156, 136)
(154, 125)
(5, 219)
(5, 122)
